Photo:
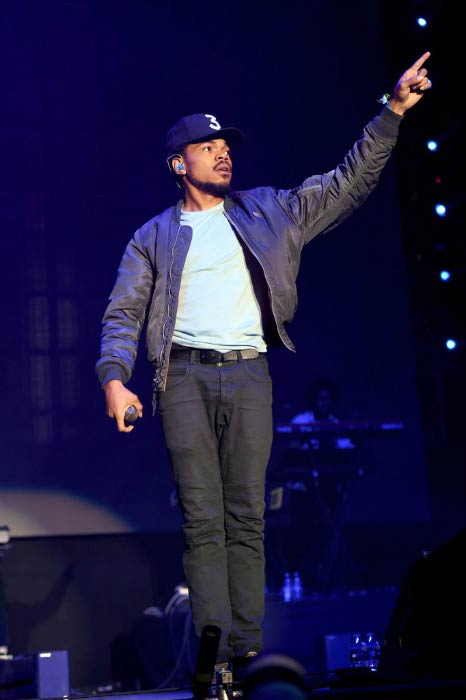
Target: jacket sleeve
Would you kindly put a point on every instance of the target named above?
(125, 314)
(322, 202)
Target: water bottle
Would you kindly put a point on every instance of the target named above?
(287, 587)
(357, 651)
(297, 590)
(372, 650)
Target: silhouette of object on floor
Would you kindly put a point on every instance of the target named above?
(425, 634)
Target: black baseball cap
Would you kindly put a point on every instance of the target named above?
(199, 127)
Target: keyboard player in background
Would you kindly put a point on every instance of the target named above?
(321, 399)
(308, 492)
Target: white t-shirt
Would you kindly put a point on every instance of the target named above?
(217, 307)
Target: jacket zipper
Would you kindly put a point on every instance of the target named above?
(170, 279)
(236, 228)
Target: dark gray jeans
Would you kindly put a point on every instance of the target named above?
(217, 422)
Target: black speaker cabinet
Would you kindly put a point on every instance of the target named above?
(425, 636)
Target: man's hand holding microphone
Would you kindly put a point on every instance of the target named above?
(122, 405)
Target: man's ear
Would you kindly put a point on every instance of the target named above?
(178, 165)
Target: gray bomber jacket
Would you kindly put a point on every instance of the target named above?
(274, 225)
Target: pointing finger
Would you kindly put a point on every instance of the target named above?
(420, 61)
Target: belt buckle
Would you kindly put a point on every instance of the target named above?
(209, 357)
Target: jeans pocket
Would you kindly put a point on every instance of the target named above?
(258, 370)
(177, 373)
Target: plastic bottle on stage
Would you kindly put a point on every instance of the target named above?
(287, 587)
(297, 586)
(372, 650)
(357, 651)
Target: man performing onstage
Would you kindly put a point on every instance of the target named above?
(212, 281)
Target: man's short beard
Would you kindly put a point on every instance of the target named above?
(216, 190)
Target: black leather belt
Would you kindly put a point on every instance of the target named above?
(210, 357)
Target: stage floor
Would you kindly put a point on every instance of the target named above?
(426, 690)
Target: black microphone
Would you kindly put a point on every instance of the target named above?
(206, 658)
(131, 414)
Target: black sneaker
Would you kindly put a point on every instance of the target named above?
(240, 663)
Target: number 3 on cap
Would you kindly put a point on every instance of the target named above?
(213, 122)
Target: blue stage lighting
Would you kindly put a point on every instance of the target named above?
(445, 275)
(450, 344)
(440, 209)
(421, 22)
(432, 145)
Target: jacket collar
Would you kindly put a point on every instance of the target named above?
(228, 201)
